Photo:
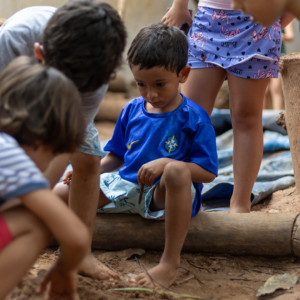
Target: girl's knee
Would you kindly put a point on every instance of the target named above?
(61, 190)
(243, 119)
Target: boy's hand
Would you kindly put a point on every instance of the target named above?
(177, 16)
(62, 284)
(151, 170)
(68, 177)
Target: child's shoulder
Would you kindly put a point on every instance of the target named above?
(9, 147)
(25, 25)
(30, 14)
(132, 107)
(135, 103)
(7, 141)
(197, 111)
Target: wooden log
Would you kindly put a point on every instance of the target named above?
(289, 69)
(111, 107)
(296, 237)
(237, 234)
(118, 85)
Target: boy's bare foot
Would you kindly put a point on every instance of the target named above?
(164, 273)
(93, 268)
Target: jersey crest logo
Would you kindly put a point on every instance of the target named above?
(129, 146)
(171, 143)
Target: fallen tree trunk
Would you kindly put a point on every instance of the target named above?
(238, 234)
(111, 107)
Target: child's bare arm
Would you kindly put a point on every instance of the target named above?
(56, 168)
(199, 174)
(67, 228)
(286, 19)
(267, 12)
(178, 14)
(71, 234)
(153, 169)
(288, 35)
(111, 162)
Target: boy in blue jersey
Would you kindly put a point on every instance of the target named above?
(163, 141)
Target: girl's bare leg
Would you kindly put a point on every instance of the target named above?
(276, 93)
(267, 98)
(62, 190)
(173, 193)
(203, 85)
(83, 197)
(30, 238)
(246, 104)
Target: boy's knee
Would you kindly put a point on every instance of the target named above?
(177, 173)
(86, 164)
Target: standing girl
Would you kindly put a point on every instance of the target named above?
(224, 43)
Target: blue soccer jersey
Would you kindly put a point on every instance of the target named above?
(185, 134)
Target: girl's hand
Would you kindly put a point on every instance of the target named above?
(62, 284)
(177, 16)
(151, 170)
(68, 177)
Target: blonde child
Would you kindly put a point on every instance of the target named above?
(224, 43)
(40, 117)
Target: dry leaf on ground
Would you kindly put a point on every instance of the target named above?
(285, 281)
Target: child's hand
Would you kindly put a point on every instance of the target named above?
(68, 177)
(62, 284)
(177, 16)
(151, 170)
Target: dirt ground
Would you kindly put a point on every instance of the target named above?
(208, 275)
(212, 276)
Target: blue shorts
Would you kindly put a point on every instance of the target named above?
(91, 144)
(228, 39)
(125, 194)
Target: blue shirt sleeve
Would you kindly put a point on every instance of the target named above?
(117, 143)
(204, 150)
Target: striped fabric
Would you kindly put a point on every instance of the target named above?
(18, 173)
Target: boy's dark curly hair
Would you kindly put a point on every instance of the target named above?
(159, 45)
(85, 39)
(39, 104)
